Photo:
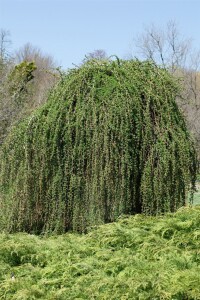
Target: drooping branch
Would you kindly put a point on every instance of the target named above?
(109, 141)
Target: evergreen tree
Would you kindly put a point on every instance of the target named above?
(109, 141)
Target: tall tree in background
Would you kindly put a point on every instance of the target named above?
(165, 47)
(169, 49)
(45, 74)
(98, 54)
(16, 88)
(26, 76)
(5, 44)
(6, 64)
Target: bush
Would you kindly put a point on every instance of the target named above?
(110, 141)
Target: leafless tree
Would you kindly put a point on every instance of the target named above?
(5, 43)
(169, 49)
(96, 54)
(6, 64)
(166, 47)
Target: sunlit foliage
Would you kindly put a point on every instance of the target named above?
(135, 258)
(110, 140)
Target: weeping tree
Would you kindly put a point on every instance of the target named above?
(109, 141)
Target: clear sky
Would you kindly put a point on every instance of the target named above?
(69, 29)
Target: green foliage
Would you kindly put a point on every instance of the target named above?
(135, 258)
(109, 141)
(19, 77)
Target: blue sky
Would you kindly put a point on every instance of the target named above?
(69, 29)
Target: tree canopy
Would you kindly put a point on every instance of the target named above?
(109, 141)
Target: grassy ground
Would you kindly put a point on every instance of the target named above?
(135, 258)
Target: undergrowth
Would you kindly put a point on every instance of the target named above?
(136, 258)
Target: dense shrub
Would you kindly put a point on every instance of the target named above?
(110, 140)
